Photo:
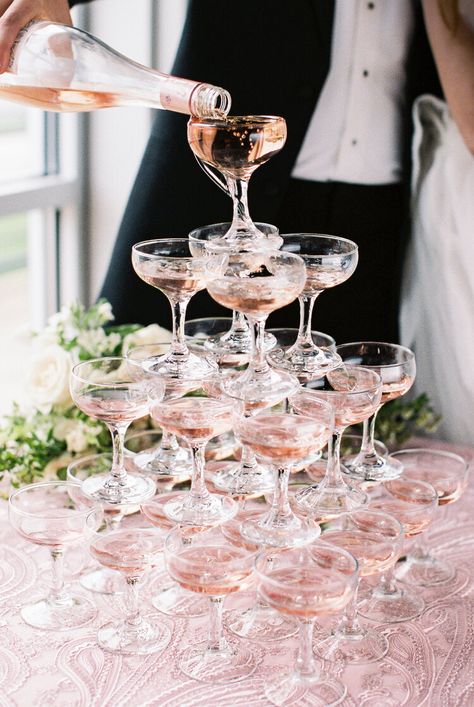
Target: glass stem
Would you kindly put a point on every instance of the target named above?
(258, 362)
(367, 449)
(238, 189)
(280, 504)
(168, 442)
(349, 624)
(57, 595)
(248, 460)
(333, 477)
(419, 551)
(388, 584)
(306, 666)
(118, 472)
(198, 491)
(216, 641)
(305, 339)
(132, 603)
(179, 350)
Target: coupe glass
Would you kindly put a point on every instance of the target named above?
(375, 539)
(168, 458)
(99, 579)
(448, 473)
(353, 392)
(230, 150)
(206, 563)
(104, 389)
(413, 503)
(315, 581)
(200, 333)
(256, 284)
(133, 550)
(171, 266)
(169, 597)
(234, 344)
(283, 440)
(45, 514)
(396, 366)
(196, 411)
(329, 262)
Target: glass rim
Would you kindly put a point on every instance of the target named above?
(178, 240)
(371, 511)
(426, 485)
(228, 224)
(370, 389)
(177, 533)
(107, 384)
(107, 529)
(399, 347)
(262, 558)
(49, 515)
(83, 460)
(266, 119)
(436, 452)
(354, 247)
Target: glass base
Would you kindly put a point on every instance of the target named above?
(300, 360)
(402, 605)
(175, 601)
(260, 623)
(189, 366)
(164, 462)
(232, 663)
(249, 239)
(279, 531)
(358, 648)
(374, 468)
(238, 480)
(213, 510)
(321, 502)
(424, 571)
(236, 343)
(102, 581)
(150, 636)
(131, 490)
(72, 612)
(269, 385)
(294, 689)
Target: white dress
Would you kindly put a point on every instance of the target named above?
(437, 310)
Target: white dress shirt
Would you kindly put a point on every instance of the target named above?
(354, 135)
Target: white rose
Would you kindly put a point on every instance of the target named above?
(152, 334)
(48, 379)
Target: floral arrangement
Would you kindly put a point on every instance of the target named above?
(44, 433)
(40, 437)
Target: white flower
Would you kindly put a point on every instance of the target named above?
(152, 334)
(74, 432)
(104, 312)
(48, 379)
(96, 342)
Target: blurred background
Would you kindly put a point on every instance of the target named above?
(64, 182)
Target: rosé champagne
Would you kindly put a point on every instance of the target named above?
(130, 551)
(212, 570)
(112, 405)
(193, 418)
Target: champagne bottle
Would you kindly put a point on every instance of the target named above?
(60, 68)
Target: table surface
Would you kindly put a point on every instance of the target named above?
(430, 661)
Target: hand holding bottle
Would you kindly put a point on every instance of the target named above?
(16, 14)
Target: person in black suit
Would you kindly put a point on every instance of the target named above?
(274, 58)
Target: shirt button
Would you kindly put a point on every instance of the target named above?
(370, 5)
(354, 142)
(365, 73)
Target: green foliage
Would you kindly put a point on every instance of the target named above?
(399, 420)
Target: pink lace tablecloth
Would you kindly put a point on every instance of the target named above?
(430, 661)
